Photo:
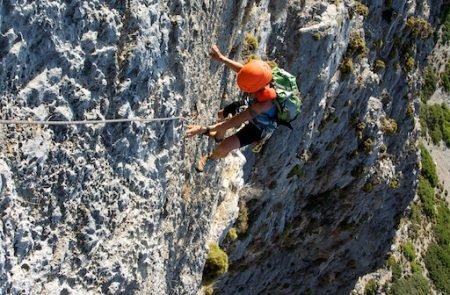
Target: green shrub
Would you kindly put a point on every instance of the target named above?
(232, 234)
(416, 284)
(371, 287)
(361, 9)
(368, 187)
(357, 44)
(389, 126)
(445, 78)
(395, 183)
(428, 167)
(437, 257)
(367, 145)
(242, 221)
(346, 66)
(216, 264)
(437, 261)
(415, 215)
(446, 133)
(419, 27)
(442, 226)
(416, 267)
(408, 251)
(317, 36)
(429, 83)
(445, 18)
(395, 268)
(410, 63)
(379, 65)
(250, 42)
(426, 194)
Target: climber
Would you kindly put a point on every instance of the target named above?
(260, 117)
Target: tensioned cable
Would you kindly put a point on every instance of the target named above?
(86, 122)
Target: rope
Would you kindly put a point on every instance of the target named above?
(86, 122)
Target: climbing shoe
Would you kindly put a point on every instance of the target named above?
(201, 163)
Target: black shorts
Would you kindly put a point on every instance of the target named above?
(249, 134)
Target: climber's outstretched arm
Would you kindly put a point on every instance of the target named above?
(217, 55)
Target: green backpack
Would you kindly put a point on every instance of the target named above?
(288, 99)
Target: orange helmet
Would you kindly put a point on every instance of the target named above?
(254, 76)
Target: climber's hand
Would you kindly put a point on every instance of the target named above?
(193, 130)
(215, 53)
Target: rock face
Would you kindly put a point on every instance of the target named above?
(118, 208)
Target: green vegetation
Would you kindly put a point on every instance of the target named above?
(250, 46)
(437, 258)
(297, 170)
(216, 264)
(371, 287)
(389, 126)
(445, 78)
(435, 120)
(428, 166)
(316, 36)
(395, 183)
(408, 251)
(361, 9)
(415, 215)
(232, 234)
(357, 44)
(250, 42)
(241, 224)
(445, 19)
(367, 145)
(429, 83)
(419, 27)
(416, 267)
(426, 194)
(395, 268)
(368, 187)
(410, 63)
(415, 284)
(346, 66)
(379, 65)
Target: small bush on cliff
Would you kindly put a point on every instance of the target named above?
(410, 63)
(426, 194)
(408, 251)
(389, 126)
(357, 44)
(429, 83)
(433, 120)
(250, 46)
(437, 257)
(361, 9)
(445, 78)
(216, 264)
(379, 65)
(419, 27)
(428, 167)
(346, 66)
(445, 18)
(395, 268)
(371, 287)
(415, 284)
(241, 224)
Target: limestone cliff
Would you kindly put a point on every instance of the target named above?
(119, 209)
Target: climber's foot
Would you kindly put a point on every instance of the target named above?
(201, 163)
